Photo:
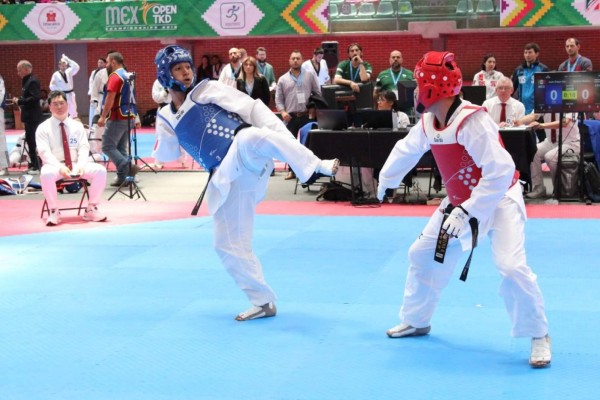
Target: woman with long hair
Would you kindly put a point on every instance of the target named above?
(204, 69)
(252, 82)
(488, 76)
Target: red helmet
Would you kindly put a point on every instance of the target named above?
(437, 77)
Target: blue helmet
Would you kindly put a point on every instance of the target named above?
(165, 60)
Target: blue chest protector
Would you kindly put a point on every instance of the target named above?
(206, 132)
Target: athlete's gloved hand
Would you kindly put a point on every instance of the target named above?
(457, 222)
(381, 192)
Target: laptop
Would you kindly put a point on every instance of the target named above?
(474, 94)
(374, 119)
(334, 120)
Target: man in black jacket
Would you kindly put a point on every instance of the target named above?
(31, 111)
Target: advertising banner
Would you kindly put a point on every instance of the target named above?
(161, 19)
(539, 13)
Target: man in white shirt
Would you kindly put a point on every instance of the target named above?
(63, 80)
(503, 108)
(230, 72)
(58, 164)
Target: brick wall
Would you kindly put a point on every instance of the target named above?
(468, 46)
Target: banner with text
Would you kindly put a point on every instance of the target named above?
(540, 13)
(161, 19)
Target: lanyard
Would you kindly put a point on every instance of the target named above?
(572, 68)
(262, 68)
(298, 80)
(395, 79)
(353, 75)
(234, 71)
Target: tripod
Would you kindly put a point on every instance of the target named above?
(129, 181)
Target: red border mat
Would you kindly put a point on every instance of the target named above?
(19, 217)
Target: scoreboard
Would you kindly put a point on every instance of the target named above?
(566, 92)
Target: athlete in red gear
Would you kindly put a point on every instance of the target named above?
(483, 195)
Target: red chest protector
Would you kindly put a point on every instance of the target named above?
(459, 172)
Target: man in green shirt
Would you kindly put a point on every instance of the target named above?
(388, 79)
(354, 70)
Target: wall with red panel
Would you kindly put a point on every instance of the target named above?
(469, 46)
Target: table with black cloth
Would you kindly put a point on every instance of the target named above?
(371, 148)
(367, 148)
(521, 143)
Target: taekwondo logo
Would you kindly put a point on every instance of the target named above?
(232, 18)
(232, 15)
(51, 16)
(52, 22)
(154, 17)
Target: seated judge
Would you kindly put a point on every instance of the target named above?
(504, 109)
(63, 146)
(387, 101)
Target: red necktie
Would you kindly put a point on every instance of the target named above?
(503, 112)
(66, 150)
(553, 131)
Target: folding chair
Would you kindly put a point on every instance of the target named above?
(61, 185)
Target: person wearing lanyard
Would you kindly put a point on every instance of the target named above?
(292, 94)
(388, 79)
(230, 72)
(354, 70)
(265, 68)
(576, 62)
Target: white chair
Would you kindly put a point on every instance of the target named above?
(366, 10)
(385, 9)
(333, 10)
(485, 6)
(464, 7)
(347, 10)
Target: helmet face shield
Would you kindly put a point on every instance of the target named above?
(437, 77)
(166, 59)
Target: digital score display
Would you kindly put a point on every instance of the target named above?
(566, 92)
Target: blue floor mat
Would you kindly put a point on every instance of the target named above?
(146, 311)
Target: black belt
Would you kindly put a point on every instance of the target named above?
(67, 91)
(298, 114)
(443, 237)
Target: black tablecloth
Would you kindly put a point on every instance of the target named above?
(367, 148)
(522, 145)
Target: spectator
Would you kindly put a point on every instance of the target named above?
(319, 66)
(292, 95)
(231, 71)
(63, 80)
(547, 150)
(576, 62)
(118, 117)
(388, 79)
(252, 83)
(31, 112)
(488, 76)
(353, 70)
(523, 76)
(204, 69)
